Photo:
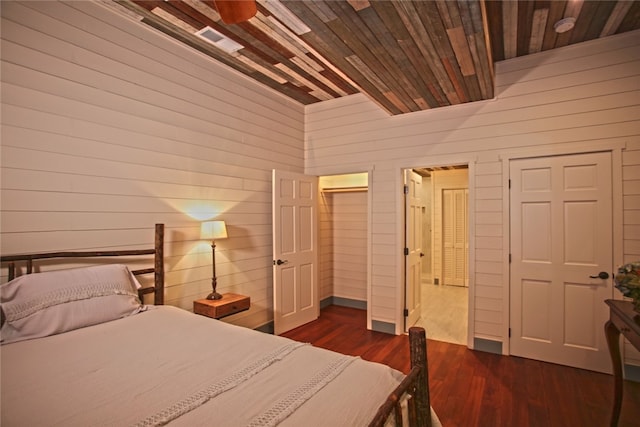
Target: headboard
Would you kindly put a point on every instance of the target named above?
(157, 269)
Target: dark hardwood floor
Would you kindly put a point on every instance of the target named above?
(474, 388)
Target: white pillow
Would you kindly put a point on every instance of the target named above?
(41, 304)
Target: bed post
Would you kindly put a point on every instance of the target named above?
(158, 295)
(418, 354)
(11, 268)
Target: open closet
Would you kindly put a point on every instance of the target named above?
(343, 217)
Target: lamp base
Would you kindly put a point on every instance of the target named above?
(214, 295)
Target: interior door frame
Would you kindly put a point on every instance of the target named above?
(615, 148)
(400, 235)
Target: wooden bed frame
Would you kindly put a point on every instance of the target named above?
(415, 385)
(157, 269)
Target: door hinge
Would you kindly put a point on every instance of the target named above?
(406, 312)
(509, 182)
(406, 189)
(509, 258)
(406, 251)
(509, 332)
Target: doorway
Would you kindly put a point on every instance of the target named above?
(444, 278)
(343, 240)
(321, 244)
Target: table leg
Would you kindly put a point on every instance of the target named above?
(613, 342)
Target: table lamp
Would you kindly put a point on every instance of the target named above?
(213, 230)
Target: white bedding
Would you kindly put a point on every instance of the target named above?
(169, 365)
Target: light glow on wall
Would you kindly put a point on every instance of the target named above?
(200, 210)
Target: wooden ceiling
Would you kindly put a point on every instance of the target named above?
(427, 172)
(405, 55)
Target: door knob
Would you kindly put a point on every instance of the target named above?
(602, 275)
(280, 262)
(421, 254)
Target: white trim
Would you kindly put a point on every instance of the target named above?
(339, 169)
(617, 214)
(370, 249)
(506, 266)
(562, 149)
(471, 225)
(400, 235)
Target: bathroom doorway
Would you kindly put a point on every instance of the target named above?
(444, 280)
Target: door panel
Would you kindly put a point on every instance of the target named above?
(295, 293)
(454, 237)
(307, 273)
(535, 314)
(413, 243)
(536, 237)
(287, 299)
(560, 236)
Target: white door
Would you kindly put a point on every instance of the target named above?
(455, 244)
(295, 293)
(413, 246)
(560, 241)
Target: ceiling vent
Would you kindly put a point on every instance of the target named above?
(219, 40)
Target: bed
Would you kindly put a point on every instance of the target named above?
(79, 348)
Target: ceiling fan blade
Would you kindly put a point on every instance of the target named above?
(235, 11)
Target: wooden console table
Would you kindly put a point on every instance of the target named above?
(622, 319)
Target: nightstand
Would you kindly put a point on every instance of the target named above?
(219, 308)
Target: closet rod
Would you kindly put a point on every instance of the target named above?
(343, 189)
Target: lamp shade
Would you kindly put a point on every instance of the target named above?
(213, 230)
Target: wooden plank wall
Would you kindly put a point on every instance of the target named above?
(350, 245)
(578, 98)
(109, 127)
